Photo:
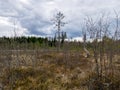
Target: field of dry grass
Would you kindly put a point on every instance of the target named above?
(47, 70)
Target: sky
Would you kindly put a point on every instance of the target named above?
(33, 17)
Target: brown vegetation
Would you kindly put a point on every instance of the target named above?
(51, 71)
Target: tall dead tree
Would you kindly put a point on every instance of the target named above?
(93, 34)
(58, 22)
(85, 43)
(116, 36)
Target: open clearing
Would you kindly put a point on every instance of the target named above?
(45, 70)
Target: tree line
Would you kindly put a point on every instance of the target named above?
(40, 41)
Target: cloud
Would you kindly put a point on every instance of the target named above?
(34, 16)
(8, 28)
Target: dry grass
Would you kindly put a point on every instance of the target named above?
(48, 71)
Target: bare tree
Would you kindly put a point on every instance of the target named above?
(58, 22)
(96, 30)
(84, 42)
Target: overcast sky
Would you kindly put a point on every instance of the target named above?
(33, 17)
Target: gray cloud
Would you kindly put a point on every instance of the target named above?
(34, 15)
